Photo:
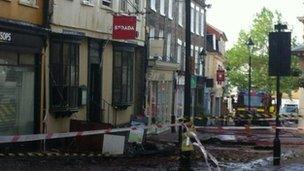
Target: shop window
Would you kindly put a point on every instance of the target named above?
(64, 76)
(123, 78)
(17, 99)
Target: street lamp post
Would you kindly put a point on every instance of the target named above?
(250, 44)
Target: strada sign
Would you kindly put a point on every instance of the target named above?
(124, 27)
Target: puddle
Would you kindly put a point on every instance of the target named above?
(262, 164)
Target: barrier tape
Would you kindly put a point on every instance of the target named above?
(258, 117)
(38, 137)
(220, 128)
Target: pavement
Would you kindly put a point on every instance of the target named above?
(227, 146)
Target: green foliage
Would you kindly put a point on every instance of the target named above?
(238, 56)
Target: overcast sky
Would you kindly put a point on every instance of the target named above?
(231, 16)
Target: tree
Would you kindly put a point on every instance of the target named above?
(238, 57)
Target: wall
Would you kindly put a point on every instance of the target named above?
(95, 20)
(16, 11)
(63, 124)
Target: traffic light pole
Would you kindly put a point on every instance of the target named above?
(276, 141)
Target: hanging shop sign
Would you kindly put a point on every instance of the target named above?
(220, 76)
(124, 27)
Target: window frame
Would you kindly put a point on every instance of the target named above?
(122, 98)
(153, 5)
(29, 3)
(197, 20)
(170, 9)
(192, 28)
(162, 7)
(123, 4)
(180, 13)
(88, 2)
(110, 2)
(70, 102)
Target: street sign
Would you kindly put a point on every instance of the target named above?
(279, 53)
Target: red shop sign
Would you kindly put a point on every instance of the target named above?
(220, 76)
(124, 27)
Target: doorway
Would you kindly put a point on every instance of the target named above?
(95, 81)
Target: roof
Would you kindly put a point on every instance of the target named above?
(298, 51)
(213, 30)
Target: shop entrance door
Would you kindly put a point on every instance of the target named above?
(95, 70)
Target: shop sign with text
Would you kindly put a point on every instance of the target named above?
(124, 27)
(5, 36)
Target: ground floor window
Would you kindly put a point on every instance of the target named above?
(123, 77)
(17, 84)
(160, 99)
(64, 75)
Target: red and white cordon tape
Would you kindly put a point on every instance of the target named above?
(249, 127)
(38, 137)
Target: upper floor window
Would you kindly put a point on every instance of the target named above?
(202, 25)
(192, 17)
(107, 3)
(179, 51)
(152, 33)
(123, 5)
(152, 5)
(29, 2)
(162, 7)
(88, 2)
(197, 20)
(180, 13)
(170, 9)
(168, 46)
(137, 4)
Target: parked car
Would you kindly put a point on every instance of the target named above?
(291, 111)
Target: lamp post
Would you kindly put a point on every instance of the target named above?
(250, 44)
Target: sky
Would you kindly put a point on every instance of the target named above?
(231, 16)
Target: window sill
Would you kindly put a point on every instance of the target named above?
(162, 14)
(153, 9)
(104, 7)
(29, 5)
(87, 4)
(170, 17)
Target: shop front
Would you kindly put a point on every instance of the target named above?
(160, 91)
(20, 54)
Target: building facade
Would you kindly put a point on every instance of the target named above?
(299, 52)
(214, 69)
(166, 59)
(89, 75)
(22, 54)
